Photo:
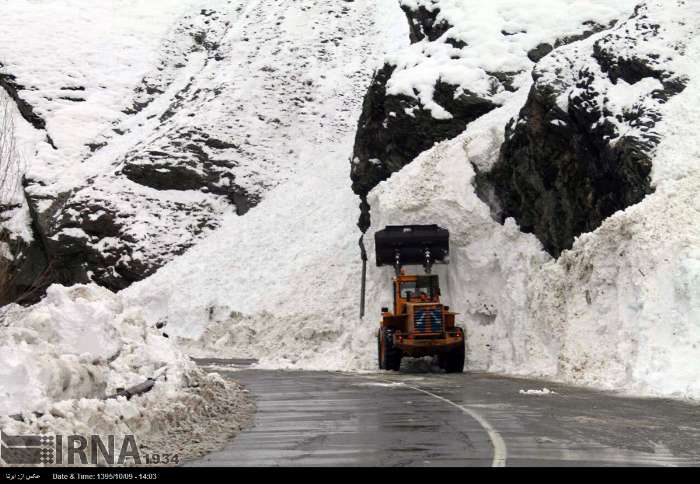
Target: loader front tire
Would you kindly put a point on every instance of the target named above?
(453, 362)
(380, 355)
(389, 355)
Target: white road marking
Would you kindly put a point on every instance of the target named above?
(500, 452)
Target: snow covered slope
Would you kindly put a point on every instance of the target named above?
(282, 282)
(163, 117)
(465, 59)
(74, 87)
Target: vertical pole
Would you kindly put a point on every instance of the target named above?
(363, 253)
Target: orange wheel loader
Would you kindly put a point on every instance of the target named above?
(418, 324)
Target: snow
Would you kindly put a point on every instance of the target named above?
(61, 358)
(544, 391)
(79, 342)
(105, 48)
(499, 34)
(281, 283)
(80, 79)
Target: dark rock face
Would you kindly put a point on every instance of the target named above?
(423, 23)
(29, 264)
(192, 161)
(543, 49)
(562, 171)
(388, 137)
(9, 83)
(536, 54)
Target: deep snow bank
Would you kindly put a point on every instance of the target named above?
(61, 360)
(80, 342)
(622, 308)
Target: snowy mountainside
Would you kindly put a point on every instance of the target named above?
(282, 282)
(140, 176)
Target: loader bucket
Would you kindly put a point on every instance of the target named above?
(410, 242)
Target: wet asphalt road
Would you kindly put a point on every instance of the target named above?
(431, 419)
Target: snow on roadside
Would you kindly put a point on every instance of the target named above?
(544, 391)
(61, 358)
(79, 342)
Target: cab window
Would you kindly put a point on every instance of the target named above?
(424, 284)
(408, 289)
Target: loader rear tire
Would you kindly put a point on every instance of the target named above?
(380, 355)
(453, 362)
(389, 355)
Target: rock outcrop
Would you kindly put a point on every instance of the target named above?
(582, 146)
(394, 128)
(423, 23)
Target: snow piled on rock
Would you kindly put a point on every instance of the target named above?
(653, 36)
(498, 35)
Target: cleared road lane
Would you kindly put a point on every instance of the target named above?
(414, 419)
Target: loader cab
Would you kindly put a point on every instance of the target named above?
(415, 289)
